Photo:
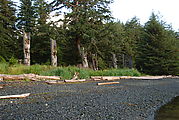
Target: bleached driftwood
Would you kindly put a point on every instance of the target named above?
(13, 77)
(148, 77)
(15, 96)
(75, 76)
(96, 78)
(1, 78)
(108, 83)
(33, 77)
(80, 80)
(111, 77)
(54, 82)
(48, 77)
(1, 87)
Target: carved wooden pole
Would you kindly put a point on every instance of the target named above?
(53, 52)
(114, 59)
(26, 47)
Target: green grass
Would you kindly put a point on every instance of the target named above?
(169, 111)
(64, 72)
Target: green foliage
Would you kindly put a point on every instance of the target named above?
(153, 48)
(64, 72)
(158, 53)
(26, 15)
(2, 60)
(8, 40)
(68, 72)
(13, 61)
(83, 25)
(3, 67)
(21, 69)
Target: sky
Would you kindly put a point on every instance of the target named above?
(124, 10)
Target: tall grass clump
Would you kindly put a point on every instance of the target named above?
(64, 72)
(67, 72)
(4, 67)
(116, 72)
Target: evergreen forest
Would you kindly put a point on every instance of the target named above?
(87, 36)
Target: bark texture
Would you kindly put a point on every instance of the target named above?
(84, 58)
(114, 59)
(53, 52)
(26, 48)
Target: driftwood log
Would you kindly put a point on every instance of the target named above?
(15, 96)
(54, 82)
(1, 87)
(80, 80)
(108, 83)
(33, 77)
(149, 77)
(96, 78)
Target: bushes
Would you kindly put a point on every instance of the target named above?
(64, 72)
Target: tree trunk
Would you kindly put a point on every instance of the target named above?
(130, 62)
(82, 54)
(84, 58)
(94, 62)
(123, 60)
(114, 60)
(26, 49)
(53, 53)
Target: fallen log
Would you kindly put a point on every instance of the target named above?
(48, 77)
(13, 77)
(1, 87)
(125, 77)
(96, 78)
(80, 80)
(108, 83)
(110, 78)
(54, 82)
(15, 96)
(29, 77)
(148, 77)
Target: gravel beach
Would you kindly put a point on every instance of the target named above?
(129, 100)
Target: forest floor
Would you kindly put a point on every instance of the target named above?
(129, 100)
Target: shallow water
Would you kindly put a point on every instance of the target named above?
(169, 111)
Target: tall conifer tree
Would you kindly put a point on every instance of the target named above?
(8, 40)
(84, 23)
(158, 53)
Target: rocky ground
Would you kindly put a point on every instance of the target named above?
(129, 100)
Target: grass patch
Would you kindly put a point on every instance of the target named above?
(64, 72)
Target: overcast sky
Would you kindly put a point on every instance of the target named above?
(126, 9)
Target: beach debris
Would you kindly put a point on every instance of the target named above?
(15, 96)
